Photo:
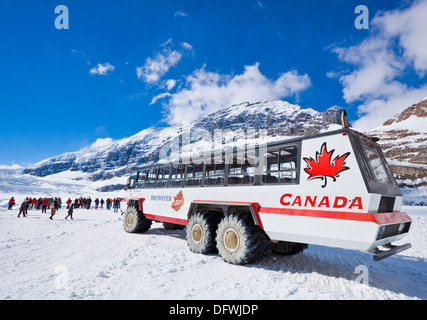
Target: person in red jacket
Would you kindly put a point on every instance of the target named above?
(68, 203)
(33, 203)
(44, 204)
(11, 203)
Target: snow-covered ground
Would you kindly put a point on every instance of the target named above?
(92, 257)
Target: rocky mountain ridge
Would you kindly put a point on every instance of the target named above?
(403, 139)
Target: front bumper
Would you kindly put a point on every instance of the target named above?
(392, 250)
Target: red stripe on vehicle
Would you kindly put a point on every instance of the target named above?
(166, 219)
(341, 215)
(256, 207)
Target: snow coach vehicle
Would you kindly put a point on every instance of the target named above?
(332, 189)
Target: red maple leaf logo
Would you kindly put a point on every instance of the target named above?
(323, 167)
(178, 201)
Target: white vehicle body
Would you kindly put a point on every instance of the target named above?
(333, 189)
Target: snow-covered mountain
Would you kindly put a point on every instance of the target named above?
(106, 159)
(404, 142)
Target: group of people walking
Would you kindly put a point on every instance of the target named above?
(40, 203)
(54, 204)
(86, 203)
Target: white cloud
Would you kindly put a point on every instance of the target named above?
(289, 83)
(375, 65)
(186, 46)
(156, 67)
(102, 69)
(180, 13)
(410, 27)
(160, 96)
(206, 92)
(397, 42)
(170, 84)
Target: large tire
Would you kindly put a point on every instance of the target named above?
(201, 231)
(287, 248)
(134, 221)
(239, 240)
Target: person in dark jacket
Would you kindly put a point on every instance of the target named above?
(116, 205)
(70, 213)
(56, 202)
(23, 209)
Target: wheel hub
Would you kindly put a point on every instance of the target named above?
(197, 233)
(129, 219)
(231, 240)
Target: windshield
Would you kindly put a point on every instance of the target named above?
(132, 179)
(375, 161)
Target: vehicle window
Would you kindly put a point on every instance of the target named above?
(194, 174)
(375, 161)
(241, 171)
(151, 178)
(214, 175)
(177, 176)
(131, 183)
(142, 175)
(132, 179)
(163, 177)
(280, 166)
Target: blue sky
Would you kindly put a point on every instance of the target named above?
(123, 66)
